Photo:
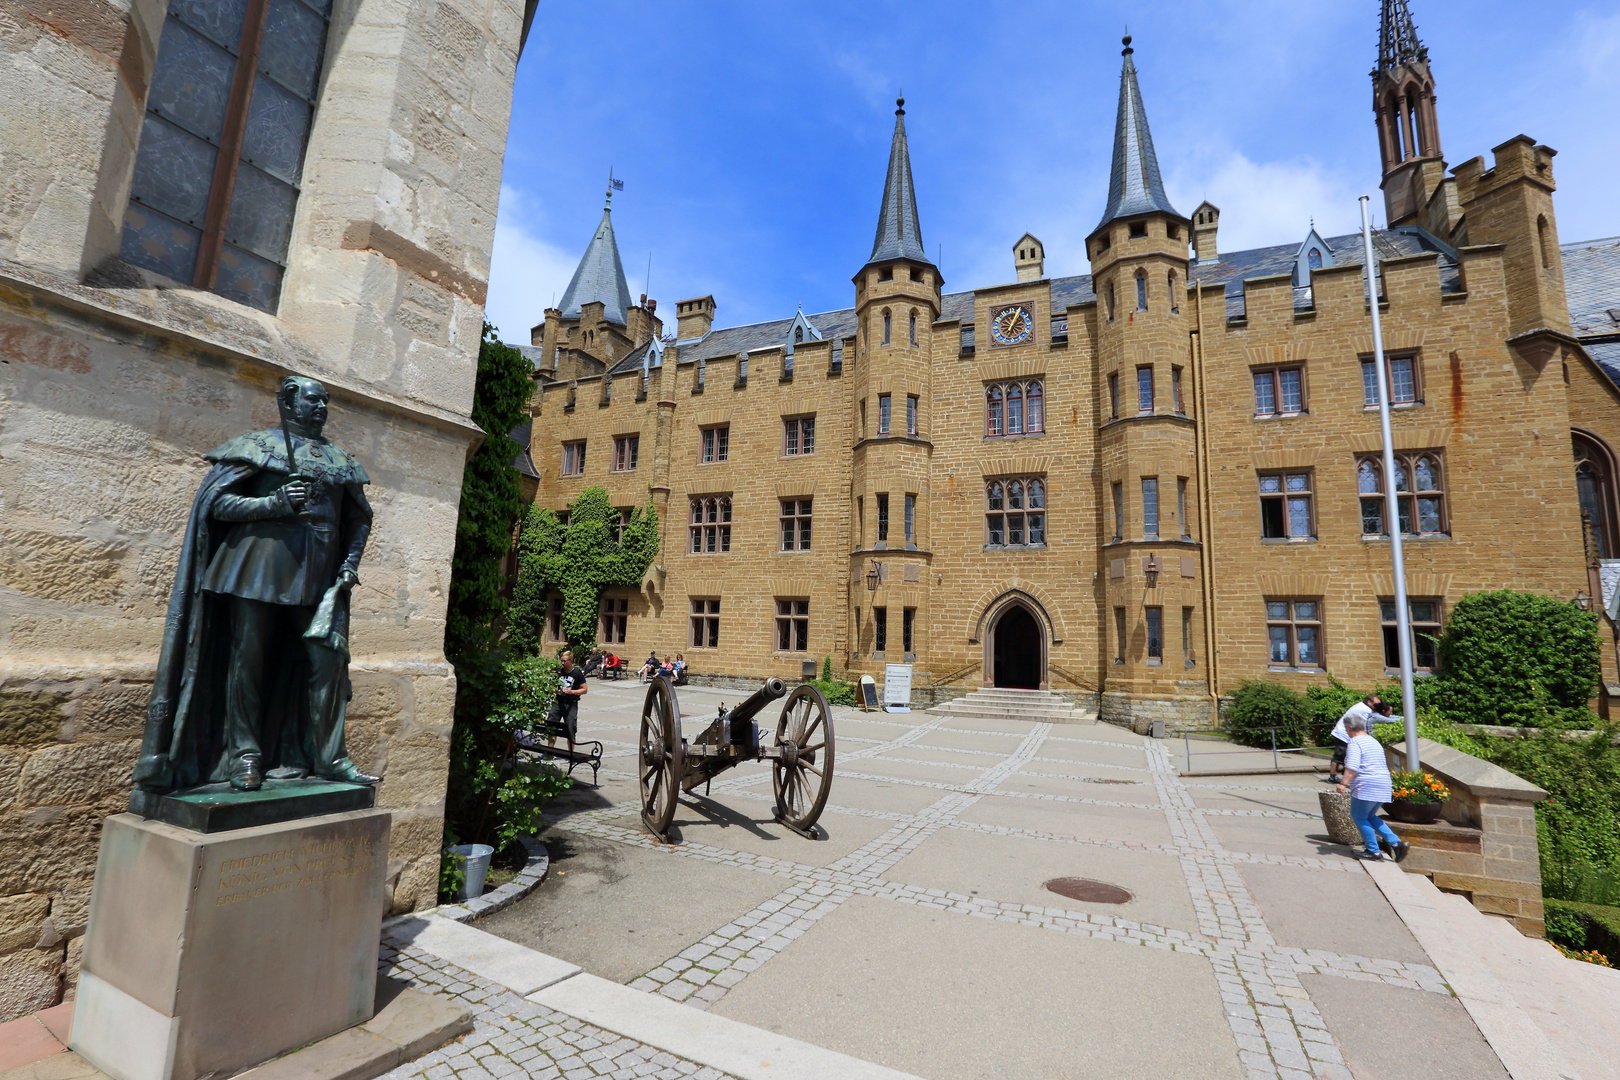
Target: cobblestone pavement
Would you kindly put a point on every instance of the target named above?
(1277, 1031)
(515, 1037)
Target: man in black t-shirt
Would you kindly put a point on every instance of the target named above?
(570, 688)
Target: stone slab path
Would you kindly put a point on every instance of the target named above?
(918, 934)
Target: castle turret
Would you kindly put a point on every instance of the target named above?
(1147, 565)
(1408, 129)
(897, 300)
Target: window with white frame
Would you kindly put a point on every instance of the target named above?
(573, 458)
(711, 524)
(626, 451)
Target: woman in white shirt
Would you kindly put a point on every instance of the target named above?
(1367, 780)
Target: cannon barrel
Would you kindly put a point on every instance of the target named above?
(773, 689)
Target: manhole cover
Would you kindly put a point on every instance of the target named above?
(1092, 892)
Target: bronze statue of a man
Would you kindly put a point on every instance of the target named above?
(253, 679)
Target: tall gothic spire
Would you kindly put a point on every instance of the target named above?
(1134, 186)
(898, 234)
(1398, 44)
(599, 276)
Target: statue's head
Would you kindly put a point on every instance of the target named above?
(303, 404)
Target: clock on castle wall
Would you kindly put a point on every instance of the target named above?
(1012, 325)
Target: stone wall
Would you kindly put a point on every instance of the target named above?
(1485, 846)
(113, 383)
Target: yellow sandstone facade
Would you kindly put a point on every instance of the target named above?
(1136, 487)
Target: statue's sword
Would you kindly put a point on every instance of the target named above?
(292, 463)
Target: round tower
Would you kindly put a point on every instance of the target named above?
(1148, 564)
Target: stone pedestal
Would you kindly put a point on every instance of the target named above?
(208, 953)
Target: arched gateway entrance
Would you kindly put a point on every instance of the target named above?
(1016, 649)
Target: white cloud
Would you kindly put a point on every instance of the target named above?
(1270, 202)
(526, 274)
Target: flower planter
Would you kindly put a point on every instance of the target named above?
(1414, 813)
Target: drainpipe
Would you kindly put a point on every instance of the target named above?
(1206, 515)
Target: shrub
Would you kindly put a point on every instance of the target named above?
(837, 693)
(1518, 659)
(1259, 706)
(1578, 824)
(1327, 704)
(1585, 928)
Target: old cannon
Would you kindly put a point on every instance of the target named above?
(800, 752)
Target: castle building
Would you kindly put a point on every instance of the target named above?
(1135, 487)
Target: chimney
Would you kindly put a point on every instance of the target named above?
(1206, 220)
(693, 318)
(1029, 258)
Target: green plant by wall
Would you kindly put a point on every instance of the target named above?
(579, 559)
(1259, 706)
(1582, 927)
(490, 503)
(1518, 658)
(1578, 824)
(836, 692)
(495, 796)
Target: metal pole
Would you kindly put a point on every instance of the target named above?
(1392, 516)
(1185, 741)
(1274, 766)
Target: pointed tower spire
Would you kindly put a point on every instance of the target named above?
(1398, 44)
(1408, 127)
(899, 236)
(600, 276)
(1134, 186)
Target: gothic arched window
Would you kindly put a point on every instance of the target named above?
(992, 411)
(1141, 290)
(913, 328)
(1036, 408)
(1313, 259)
(886, 323)
(1015, 409)
(1594, 487)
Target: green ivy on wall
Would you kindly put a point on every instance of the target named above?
(580, 560)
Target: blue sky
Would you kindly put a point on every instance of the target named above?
(753, 137)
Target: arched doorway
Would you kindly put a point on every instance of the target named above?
(1016, 641)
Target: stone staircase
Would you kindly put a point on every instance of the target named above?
(1544, 1015)
(994, 703)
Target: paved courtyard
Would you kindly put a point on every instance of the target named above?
(918, 934)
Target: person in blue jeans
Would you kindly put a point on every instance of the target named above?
(1367, 780)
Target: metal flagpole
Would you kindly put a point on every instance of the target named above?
(1392, 516)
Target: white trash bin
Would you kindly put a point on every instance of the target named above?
(474, 860)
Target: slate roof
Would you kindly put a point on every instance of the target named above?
(1134, 186)
(1592, 285)
(899, 236)
(630, 361)
(523, 462)
(531, 353)
(599, 276)
(1231, 269)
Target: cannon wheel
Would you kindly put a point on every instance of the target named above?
(801, 773)
(659, 759)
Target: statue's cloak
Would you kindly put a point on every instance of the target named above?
(184, 741)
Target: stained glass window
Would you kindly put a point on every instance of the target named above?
(221, 156)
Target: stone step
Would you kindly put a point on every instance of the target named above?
(994, 709)
(1546, 987)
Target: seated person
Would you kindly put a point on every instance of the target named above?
(680, 669)
(666, 668)
(650, 668)
(593, 661)
(612, 666)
